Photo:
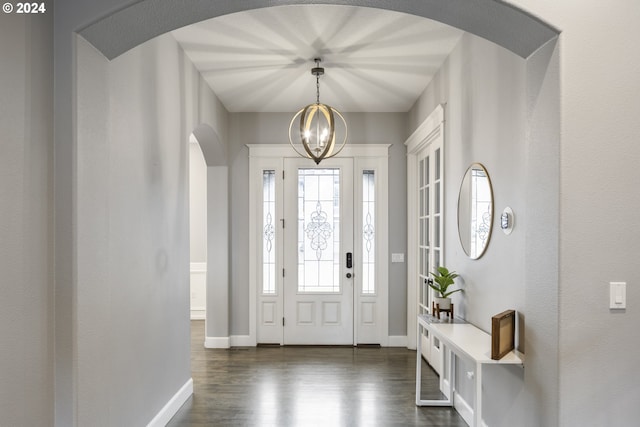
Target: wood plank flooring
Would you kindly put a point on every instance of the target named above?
(307, 386)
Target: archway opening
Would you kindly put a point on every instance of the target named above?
(107, 28)
(197, 230)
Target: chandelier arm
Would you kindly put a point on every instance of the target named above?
(346, 132)
(306, 155)
(304, 120)
(328, 148)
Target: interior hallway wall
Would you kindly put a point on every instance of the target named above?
(26, 219)
(135, 115)
(599, 236)
(197, 204)
(483, 88)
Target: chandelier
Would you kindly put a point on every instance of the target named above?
(317, 126)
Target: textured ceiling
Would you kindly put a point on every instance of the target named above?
(374, 60)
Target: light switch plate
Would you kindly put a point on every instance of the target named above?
(617, 295)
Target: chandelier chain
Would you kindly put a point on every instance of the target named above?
(317, 89)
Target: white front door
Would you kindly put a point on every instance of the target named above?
(302, 225)
(318, 239)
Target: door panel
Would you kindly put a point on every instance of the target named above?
(318, 295)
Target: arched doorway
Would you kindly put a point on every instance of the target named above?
(449, 14)
(216, 236)
(496, 21)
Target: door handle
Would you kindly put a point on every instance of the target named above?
(349, 260)
(349, 275)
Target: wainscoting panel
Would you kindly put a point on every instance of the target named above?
(198, 280)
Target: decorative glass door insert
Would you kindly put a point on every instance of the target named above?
(319, 230)
(269, 232)
(368, 232)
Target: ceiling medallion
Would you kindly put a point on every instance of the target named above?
(317, 126)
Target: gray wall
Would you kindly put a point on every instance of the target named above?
(541, 327)
(483, 87)
(26, 214)
(599, 227)
(69, 16)
(135, 115)
(271, 128)
(133, 249)
(197, 204)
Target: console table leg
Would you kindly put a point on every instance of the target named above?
(419, 366)
(452, 374)
(477, 410)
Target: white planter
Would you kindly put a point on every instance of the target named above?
(443, 303)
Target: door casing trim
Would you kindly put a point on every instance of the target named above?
(366, 156)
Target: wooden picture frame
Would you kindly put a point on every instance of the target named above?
(503, 327)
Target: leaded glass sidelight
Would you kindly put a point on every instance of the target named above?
(268, 232)
(368, 232)
(319, 230)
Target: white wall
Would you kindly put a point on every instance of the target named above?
(26, 218)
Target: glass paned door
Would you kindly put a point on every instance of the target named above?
(318, 285)
(430, 238)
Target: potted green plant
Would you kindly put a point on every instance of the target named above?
(443, 278)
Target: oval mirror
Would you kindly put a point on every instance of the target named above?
(475, 211)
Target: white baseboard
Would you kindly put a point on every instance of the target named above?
(216, 342)
(173, 405)
(247, 341)
(227, 342)
(397, 341)
(198, 314)
(465, 410)
(242, 341)
(444, 386)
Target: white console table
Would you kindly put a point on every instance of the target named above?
(465, 341)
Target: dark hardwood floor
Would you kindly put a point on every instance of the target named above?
(307, 386)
